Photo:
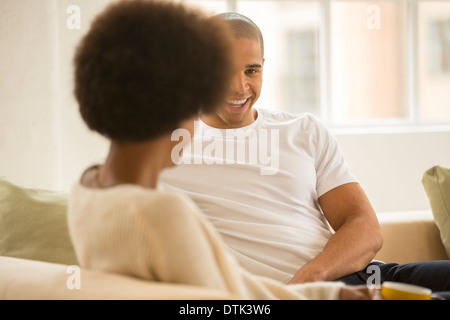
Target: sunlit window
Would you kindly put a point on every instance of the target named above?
(368, 61)
(291, 35)
(434, 61)
(212, 6)
(352, 62)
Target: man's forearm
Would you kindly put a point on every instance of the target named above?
(356, 241)
(349, 250)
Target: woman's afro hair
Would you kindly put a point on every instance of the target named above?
(146, 66)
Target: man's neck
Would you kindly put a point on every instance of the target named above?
(216, 121)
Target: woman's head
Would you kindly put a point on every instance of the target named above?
(144, 67)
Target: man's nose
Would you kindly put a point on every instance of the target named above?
(239, 84)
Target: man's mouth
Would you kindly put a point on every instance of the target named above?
(238, 104)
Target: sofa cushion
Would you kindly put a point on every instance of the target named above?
(436, 182)
(22, 279)
(33, 224)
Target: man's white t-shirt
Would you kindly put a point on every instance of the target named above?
(259, 186)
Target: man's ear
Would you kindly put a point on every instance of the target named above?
(264, 59)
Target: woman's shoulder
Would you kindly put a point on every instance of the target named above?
(130, 192)
(129, 202)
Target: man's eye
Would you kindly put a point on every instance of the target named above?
(251, 71)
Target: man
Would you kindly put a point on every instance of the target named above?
(277, 218)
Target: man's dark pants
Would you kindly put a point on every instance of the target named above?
(434, 275)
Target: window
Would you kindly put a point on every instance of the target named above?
(291, 38)
(434, 61)
(303, 70)
(354, 62)
(213, 6)
(369, 57)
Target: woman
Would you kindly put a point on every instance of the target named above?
(144, 69)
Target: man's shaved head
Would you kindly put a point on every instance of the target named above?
(243, 28)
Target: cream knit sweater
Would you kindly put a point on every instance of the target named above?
(162, 236)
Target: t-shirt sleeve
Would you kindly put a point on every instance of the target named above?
(331, 168)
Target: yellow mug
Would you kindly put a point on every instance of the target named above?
(403, 291)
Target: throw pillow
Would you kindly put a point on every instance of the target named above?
(33, 224)
(436, 182)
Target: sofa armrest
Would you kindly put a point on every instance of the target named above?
(22, 279)
(409, 237)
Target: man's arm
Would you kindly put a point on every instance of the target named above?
(356, 241)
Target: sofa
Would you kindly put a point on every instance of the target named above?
(410, 236)
(38, 263)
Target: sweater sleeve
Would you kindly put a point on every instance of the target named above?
(193, 253)
(187, 251)
(320, 290)
(266, 288)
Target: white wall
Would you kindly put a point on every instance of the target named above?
(390, 165)
(79, 147)
(28, 92)
(44, 143)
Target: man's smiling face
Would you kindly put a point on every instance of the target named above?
(245, 88)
